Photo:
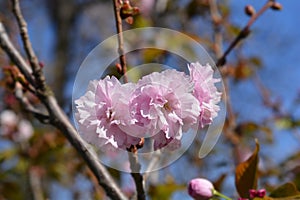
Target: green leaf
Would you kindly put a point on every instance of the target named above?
(7, 154)
(295, 197)
(164, 191)
(246, 174)
(286, 190)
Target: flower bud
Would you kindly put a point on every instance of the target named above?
(257, 193)
(276, 6)
(249, 10)
(200, 189)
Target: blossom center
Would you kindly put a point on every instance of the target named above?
(167, 107)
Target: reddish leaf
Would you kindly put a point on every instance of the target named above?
(246, 174)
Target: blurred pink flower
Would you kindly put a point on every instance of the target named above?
(25, 131)
(200, 189)
(205, 91)
(101, 112)
(164, 105)
(19, 130)
(8, 118)
(146, 6)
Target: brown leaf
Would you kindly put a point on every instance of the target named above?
(246, 174)
(285, 190)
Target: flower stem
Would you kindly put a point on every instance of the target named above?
(216, 193)
(121, 52)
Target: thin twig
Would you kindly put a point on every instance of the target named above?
(33, 60)
(59, 119)
(216, 19)
(35, 183)
(41, 116)
(122, 57)
(14, 54)
(218, 48)
(135, 167)
(133, 158)
(276, 107)
(244, 32)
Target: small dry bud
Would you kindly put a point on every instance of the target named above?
(249, 10)
(276, 6)
(119, 68)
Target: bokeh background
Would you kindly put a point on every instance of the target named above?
(262, 77)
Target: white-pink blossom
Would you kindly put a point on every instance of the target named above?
(163, 104)
(101, 112)
(19, 130)
(205, 91)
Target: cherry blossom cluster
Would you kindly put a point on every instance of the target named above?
(160, 106)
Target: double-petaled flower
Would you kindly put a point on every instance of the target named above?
(161, 106)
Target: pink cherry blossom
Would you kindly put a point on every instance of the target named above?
(163, 104)
(205, 91)
(101, 112)
(19, 130)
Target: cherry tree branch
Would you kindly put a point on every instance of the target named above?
(135, 167)
(58, 118)
(14, 54)
(33, 60)
(244, 32)
(122, 57)
(41, 116)
(133, 158)
(35, 184)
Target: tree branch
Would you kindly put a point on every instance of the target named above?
(244, 32)
(33, 60)
(14, 55)
(120, 39)
(42, 117)
(59, 119)
(137, 177)
(132, 155)
(35, 183)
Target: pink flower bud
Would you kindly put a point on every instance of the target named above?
(257, 193)
(200, 189)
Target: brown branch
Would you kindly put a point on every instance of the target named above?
(14, 54)
(218, 48)
(133, 158)
(122, 57)
(35, 183)
(59, 119)
(41, 116)
(135, 167)
(244, 32)
(216, 19)
(33, 60)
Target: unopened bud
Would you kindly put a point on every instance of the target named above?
(41, 64)
(200, 189)
(119, 68)
(276, 6)
(127, 10)
(249, 10)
